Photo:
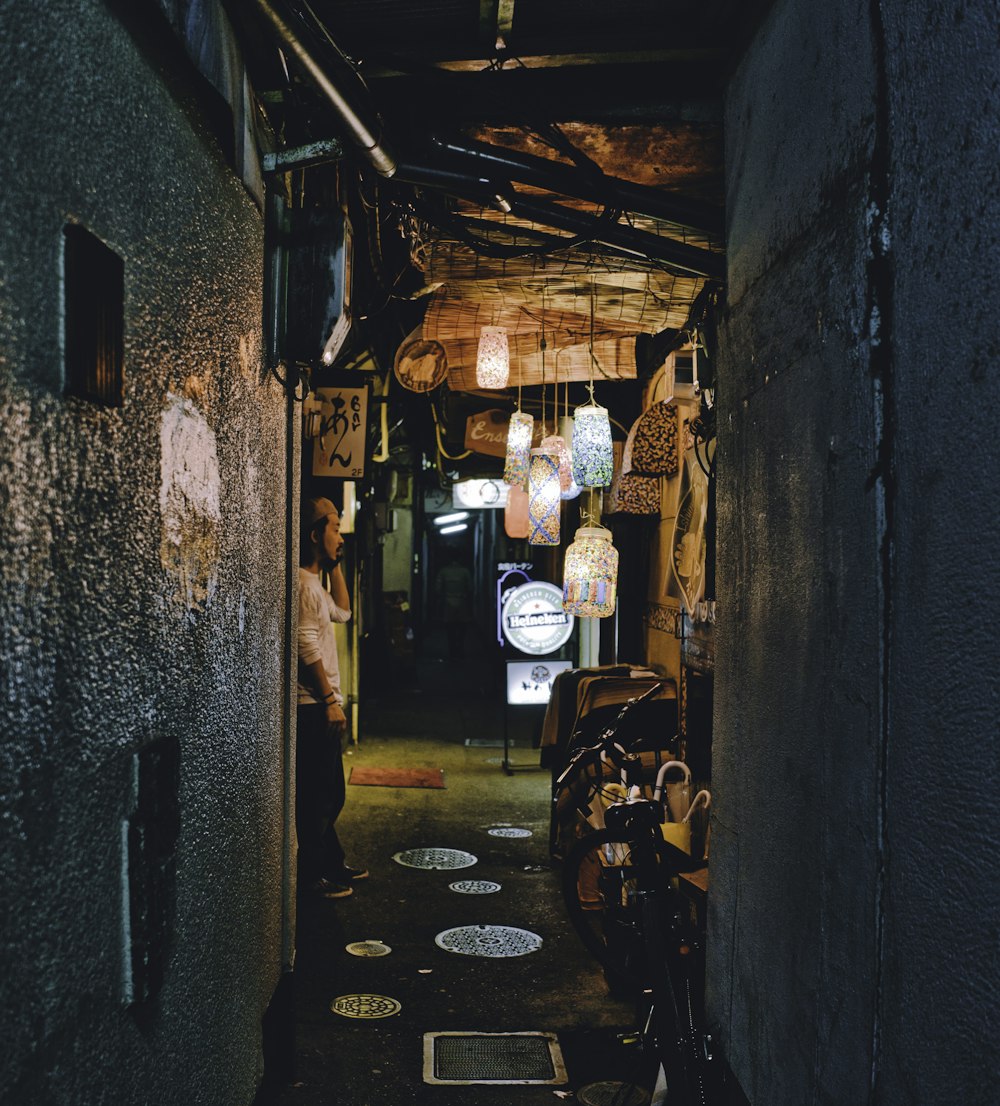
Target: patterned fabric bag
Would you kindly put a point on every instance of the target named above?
(633, 493)
(656, 450)
(639, 494)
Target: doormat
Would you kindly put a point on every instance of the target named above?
(363, 776)
(492, 1058)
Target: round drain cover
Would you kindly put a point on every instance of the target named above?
(365, 1006)
(489, 941)
(435, 858)
(474, 886)
(509, 831)
(368, 948)
(612, 1094)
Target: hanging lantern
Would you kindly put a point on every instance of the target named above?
(556, 445)
(543, 498)
(515, 469)
(590, 574)
(493, 361)
(515, 513)
(572, 489)
(593, 459)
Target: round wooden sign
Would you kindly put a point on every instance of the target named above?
(421, 363)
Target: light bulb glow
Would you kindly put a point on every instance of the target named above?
(515, 469)
(590, 574)
(455, 516)
(593, 458)
(493, 358)
(543, 498)
(454, 529)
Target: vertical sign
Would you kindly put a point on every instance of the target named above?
(340, 448)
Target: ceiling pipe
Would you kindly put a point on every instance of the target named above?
(482, 158)
(678, 254)
(364, 133)
(690, 259)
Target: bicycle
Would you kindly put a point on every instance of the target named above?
(642, 937)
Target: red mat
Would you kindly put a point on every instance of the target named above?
(397, 777)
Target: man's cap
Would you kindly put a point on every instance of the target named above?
(315, 510)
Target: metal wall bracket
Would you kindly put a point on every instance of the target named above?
(301, 157)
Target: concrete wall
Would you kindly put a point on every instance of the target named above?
(142, 574)
(852, 926)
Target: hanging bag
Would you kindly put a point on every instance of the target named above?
(656, 447)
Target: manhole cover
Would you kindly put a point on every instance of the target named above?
(509, 831)
(368, 948)
(488, 941)
(435, 858)
(492, 1058)
(610, 1093)
(474, 886)
(365, 1006)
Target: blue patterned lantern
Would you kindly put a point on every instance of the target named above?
(593, 459)
(543, 498)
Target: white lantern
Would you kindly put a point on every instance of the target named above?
(572, 490)
(515, 468)
(543, 498)
(590, 574)
(493, 360)
(593, 458)
(555, 444)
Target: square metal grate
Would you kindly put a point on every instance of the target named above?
(492, 1058)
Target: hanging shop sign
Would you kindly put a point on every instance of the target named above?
(533, 619)
(486, 432)
(686, 573)
(339, 450)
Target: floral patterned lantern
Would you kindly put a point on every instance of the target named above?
(493, 360)
(590, 574)
(543, 498)
(515, 469)
(593, 460)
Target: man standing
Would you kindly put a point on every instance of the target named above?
(320, 791)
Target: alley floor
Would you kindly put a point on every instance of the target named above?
(448, 717)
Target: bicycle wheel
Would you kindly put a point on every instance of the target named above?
(598, 881)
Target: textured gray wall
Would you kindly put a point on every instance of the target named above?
(141, 580)
(853, 940)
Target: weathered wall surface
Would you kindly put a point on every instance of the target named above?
(852, 957)
(141, 581)
(941, 974)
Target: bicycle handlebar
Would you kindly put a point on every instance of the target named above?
(606, 745)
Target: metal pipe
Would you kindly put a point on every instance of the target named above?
(539, 171)
(380, 156)
(689, 258)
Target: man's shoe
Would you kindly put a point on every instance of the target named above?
(328, 889)
(348, 873)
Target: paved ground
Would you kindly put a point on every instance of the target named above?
(349, 1062)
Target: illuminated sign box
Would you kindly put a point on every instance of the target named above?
(529, 683)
